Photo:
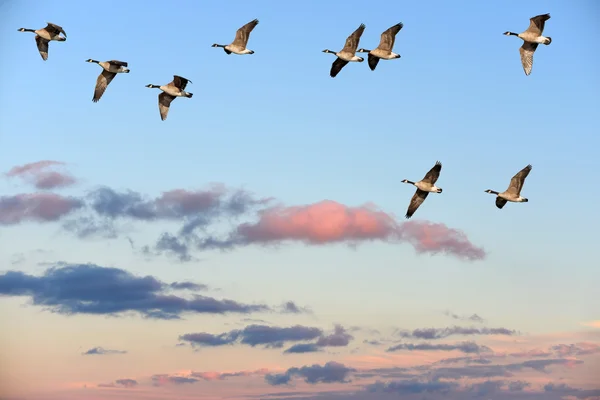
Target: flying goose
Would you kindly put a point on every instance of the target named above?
(175, 88)
(513, 193)
(384, 50)
(424, 187)
(110, 70)
(238, 46)
(45, 35)
(347, 54)
(531, 38)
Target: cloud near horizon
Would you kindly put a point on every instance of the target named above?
(440, 333)
(99, 213)
(91, 289)
(41, 175)
(102, 351)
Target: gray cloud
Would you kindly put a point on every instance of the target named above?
(102, 351)
(440, 333)
(329, 373)
(465, 347)
(472, 317)
(124, 383)
(92, 289)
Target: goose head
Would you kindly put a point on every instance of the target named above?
(151, 86)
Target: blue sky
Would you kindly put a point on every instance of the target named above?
(274, 123)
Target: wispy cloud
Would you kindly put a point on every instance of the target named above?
(41, 174)
(339, 338)
(36, 207)
(471, 318)
(465, 347)
(120, 383)
(329, 373)
(92, 289)
(102, 351)
(440, 333)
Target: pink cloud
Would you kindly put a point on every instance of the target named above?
(219, 376)
(41, 207)
(592, 324)
(331, 222)
(38, 174)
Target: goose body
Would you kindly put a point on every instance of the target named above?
(175, 88)
(513, 193)
(384, 50)
(110, 70)
(532, 37)
(43, 37)
(238, 46)
(348, 53)
(424, 187)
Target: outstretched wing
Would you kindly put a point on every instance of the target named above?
(526, 51)
(417, 199)
(164, 102)
(55, 29)
(516, 182)
(373, 60)
(102, 82)
(118, 63)
(243, 34)
(337, 66)
(353, 39)
(536, 24)
(434, 173)
(388, 37)
(42, 45)
(180, 82)
(500, 202)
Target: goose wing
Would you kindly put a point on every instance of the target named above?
(500, 202)
(373, 61)
(180, 82)
(417, 199)
(434, 173)
(55, 29)
(337, 66)
(243, 34)
(536, 24)
(516, 183)
(42, 45)
(102, 82)
(526, 51)
(164, 102)
(388, 37)
(353, 39)
(118, 63)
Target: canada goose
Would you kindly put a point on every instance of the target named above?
(531, 38)
(384, 50)
(238, 46)
(110, 70)
(45, 35)
(424, 187)
(513, 193)
(175, 88)
(347, 54)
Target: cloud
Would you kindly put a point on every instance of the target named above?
(472, 317)
(102, 351)
(339, 338)
(254, 335)
(592, 324)
(164, 379)
(329, 373)
(92, 289)
(566, 390)
(577, 349)
(440, 333)
(304, 348)
(289, 307)
(219, 376)
(465, 347)
(41, 175)
(38, 207)
(411, 386)
(125, 383)
(331, 222)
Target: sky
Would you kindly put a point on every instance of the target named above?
(254, 246)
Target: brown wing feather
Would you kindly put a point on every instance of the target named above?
(434, 173)
(180, 82)
(353, 39)
(337, 66)
(537, 23)
(516, 183)
(42, 45)
(243, 34)
(118, 63)
(164, 102)
(388, 37)
(56, 29)
(373, 60)
(102, 82)
(417, 199)
(500, 202)
(526, 51)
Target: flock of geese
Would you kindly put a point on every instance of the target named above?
(531, 37)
